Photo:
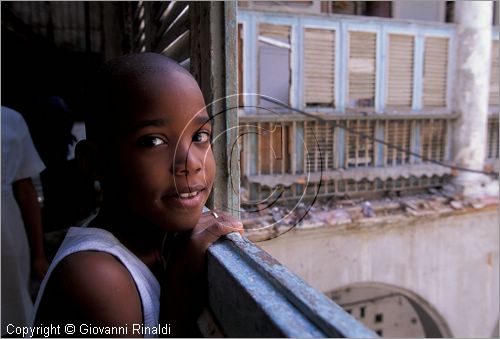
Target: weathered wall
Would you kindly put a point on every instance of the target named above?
(451, 262)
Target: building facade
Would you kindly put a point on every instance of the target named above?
(358, 125)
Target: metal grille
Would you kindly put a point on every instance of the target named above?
(320, 145)
(433, 139)
(359, 149)
(493, 144)
(397, 133)
(347, 187)
(273, 148)
(348, 155)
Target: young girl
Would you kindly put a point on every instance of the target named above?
(141, 260)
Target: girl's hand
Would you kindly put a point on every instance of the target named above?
(212, 225)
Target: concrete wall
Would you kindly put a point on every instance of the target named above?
(451, 262)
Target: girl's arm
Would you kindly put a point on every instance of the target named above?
(91, 288)
(183, 292)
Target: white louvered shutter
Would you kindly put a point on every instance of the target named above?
(435, 71)
(319, 67)
(400, 71)
(362, 68)
(278, 32)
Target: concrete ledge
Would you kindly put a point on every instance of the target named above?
(348, 215)
(253, 295)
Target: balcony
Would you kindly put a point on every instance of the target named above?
(253, 295)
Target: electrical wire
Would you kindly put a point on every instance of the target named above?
(388, 144)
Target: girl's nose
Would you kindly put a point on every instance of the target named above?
(186, 160)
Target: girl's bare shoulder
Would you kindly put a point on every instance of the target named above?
(92, 286)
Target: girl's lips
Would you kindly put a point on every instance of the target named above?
(183, 189)
(188, 201)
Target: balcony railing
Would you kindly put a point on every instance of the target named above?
(253, 295)
(340, 155)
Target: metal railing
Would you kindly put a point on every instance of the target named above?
(340, 155)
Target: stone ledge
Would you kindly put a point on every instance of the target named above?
(357, 215)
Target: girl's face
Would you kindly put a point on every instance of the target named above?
(161, 161)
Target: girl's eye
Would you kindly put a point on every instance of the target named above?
(151, 141)
(201, 137)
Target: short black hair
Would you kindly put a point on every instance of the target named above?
(108, 87)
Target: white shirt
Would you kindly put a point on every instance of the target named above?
(96, 239)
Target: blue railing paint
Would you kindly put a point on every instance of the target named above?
(251, 294)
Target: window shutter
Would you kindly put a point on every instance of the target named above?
(494, 86)
(362, 66)
(400, 75)
(435, 71)
(278, 32)
(319, 67)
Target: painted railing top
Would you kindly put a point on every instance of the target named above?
(369, 173)
(253, 295)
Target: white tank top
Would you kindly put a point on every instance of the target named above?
(96, 239)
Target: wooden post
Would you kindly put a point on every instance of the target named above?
(213, 44)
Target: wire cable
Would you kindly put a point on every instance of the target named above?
(388, 144)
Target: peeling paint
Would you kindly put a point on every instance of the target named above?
(291, 307)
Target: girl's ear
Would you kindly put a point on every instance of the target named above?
(88, 154)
